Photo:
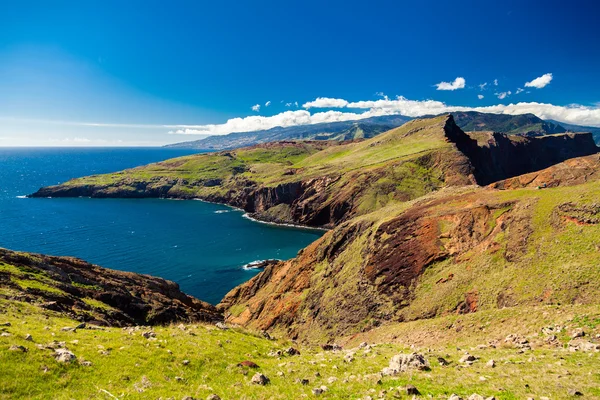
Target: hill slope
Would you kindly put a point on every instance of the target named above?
(322, 183)
(97, 295)
(458, 250)
(524, 124)
(311, 183)
(200, 360)
(344, 130)
(419, 258)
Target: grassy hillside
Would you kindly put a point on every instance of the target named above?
(201, 360)
(313, 183)
(419, 259)
(454, 251)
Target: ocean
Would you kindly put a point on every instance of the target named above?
(199, 245)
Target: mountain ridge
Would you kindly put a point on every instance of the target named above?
(521, 124)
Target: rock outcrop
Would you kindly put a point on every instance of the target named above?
(98, 295)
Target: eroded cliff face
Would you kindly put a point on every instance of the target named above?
(365, 272)
(458, 250)
(574, 171)
(499, 157)
(98, 295)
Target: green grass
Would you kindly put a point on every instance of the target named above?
(400, 157)
(96, 304)
(37, 285)
(128, 366)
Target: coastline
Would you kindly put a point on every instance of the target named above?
(252, 218)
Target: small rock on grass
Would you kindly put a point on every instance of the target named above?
(64, 355)
(29, 337)
(213, 397)
(475, 396)
(221, 326)
(574, 392)
(292, 352)
(467, 358)
(248, 364)
(411, 390)
(491, 364)
(577, 333)
(442, 361)
(260, 379)
(14, 347)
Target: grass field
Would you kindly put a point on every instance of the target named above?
(126, 365)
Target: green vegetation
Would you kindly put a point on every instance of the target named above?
(419, 259)
(399, 165)
(126, 365)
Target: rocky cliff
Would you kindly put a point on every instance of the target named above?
(498, 156)
(97, 295)
(452, 252)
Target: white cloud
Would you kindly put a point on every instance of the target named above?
(459, 83)
(296, 104)
(519, 90)
(325, 102)
(288, 104)
(575, 114)
(268, 103)
(540, 82)
(256, 107)
(503, 95)
(482, 85)
(480, 96)
(495, 82)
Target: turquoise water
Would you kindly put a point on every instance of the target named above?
(199, 245)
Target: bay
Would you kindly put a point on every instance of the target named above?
(199, 245)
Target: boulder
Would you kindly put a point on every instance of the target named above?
(260, 379)
(580, 344)
(64, 356)
(406, 362)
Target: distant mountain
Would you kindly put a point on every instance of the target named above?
(595, 131)
(523, 124)
(344, 130)
(527, 124)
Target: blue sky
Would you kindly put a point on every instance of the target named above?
(129, 72)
